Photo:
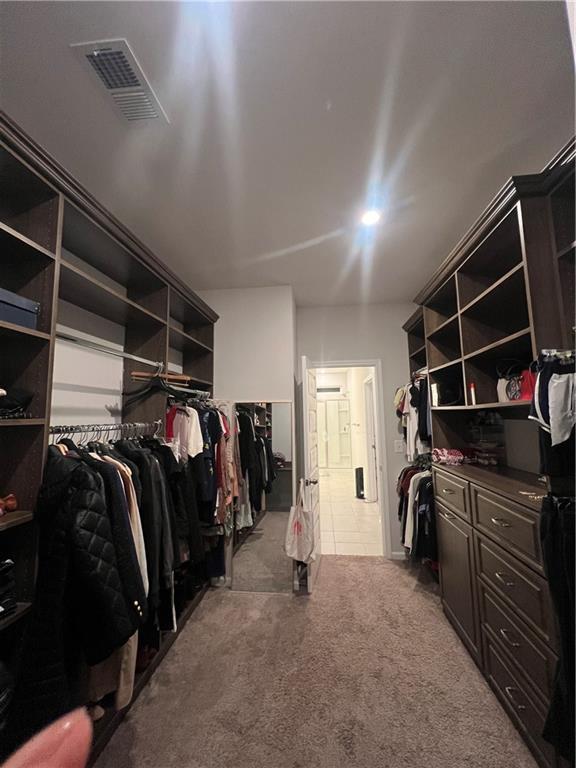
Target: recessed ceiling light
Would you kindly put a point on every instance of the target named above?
(371, 217)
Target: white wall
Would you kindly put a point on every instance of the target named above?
(87, 385)
(332, 379)
(254, 343)
(374, 331)
(356, 377)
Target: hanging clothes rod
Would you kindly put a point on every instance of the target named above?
(200, 394)
(131, 427)
(108, 350)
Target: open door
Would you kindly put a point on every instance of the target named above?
(310, 464)
(371, 479)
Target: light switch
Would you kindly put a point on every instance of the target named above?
(399, 446)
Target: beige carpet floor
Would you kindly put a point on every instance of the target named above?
(366, 673)
(261, 565)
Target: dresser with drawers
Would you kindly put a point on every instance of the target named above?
(494, 591)
(505, 292)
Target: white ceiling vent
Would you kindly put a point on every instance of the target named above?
(116, 67)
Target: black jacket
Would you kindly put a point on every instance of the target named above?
(150, 515)
(80, 611)
(127, 560)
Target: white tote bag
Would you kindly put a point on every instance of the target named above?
(300, 532)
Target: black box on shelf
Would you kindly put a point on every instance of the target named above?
(18, 310)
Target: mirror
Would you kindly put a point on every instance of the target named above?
(259, 563)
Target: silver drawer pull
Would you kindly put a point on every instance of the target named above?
(447, 515)
(448, 491)
(502, 579)
(510, 693)
(501, 522)
(511, 643)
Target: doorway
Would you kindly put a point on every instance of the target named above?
(349, 493)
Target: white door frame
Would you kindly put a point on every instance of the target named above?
(371, 483)
(385, 512)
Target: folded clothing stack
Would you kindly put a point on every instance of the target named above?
(14, 402)
(450, 456)
(7, 587)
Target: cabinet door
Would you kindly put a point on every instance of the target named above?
(457, 577)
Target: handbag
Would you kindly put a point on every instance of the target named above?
(516, 383)
(299, 543)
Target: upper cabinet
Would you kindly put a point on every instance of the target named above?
(506, 291)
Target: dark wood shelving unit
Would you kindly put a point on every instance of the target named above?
(567, 251)
(505, 292)
(58, 242)
(414, 328)
(182, 341)
(502, 312)
(10, 328)
(444, 345)
(22, 422)
(442, 367)
(80, 288)
(22, 610)
(484, 406)
(17, 242)
(13, 519)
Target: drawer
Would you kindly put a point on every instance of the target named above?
(526, 713)
(452, 492)
(510, 524)
(457, 578)
(518, 586)
(536, 660)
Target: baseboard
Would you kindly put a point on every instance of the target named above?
(397, 556)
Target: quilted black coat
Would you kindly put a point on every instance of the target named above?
(80, 612)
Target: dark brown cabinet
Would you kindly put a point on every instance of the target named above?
(456, 554)
(505, 292)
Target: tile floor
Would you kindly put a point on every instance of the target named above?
(349, 526)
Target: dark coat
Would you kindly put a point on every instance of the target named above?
(79, 610)
(127, 560)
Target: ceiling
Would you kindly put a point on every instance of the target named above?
(287, 119)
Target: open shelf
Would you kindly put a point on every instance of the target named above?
(486, 365)
(22, 422)
(85, 291)
(562, 202)
(13, 519)
(449, 381)
(567, 251)
(29, 272)
(484, 406)
(566, 269)
(11, 238)
(441, 307)
(501, 312)
(497, 254)
(96, 248)
(27, 204)
(21, 610)
(442, 367)
(23, 367)
(518, 268)
(183, 342)
(9, 329)
(444, 344)
(22, 452)
(418, 359)
(502, 346)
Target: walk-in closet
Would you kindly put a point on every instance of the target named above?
(287, 384)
